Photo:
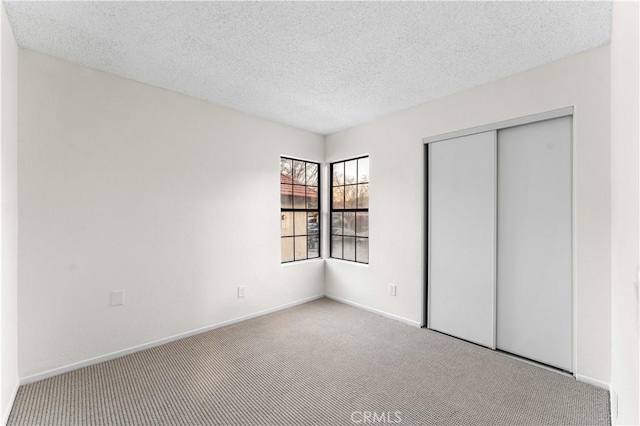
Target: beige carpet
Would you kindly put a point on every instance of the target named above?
(320, 363)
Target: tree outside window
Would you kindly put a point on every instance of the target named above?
(299, 209)
(350, 210)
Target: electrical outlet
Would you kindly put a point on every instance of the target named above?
(392, 289)
(240, 292)
(117, 297)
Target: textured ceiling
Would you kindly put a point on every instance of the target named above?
(320, 66)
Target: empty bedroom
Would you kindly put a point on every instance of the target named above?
(319, 213)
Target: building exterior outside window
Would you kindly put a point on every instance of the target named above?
(299, 210)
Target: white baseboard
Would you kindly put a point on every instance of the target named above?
(102, 358)
(594, 382)
(376, 311)
(7, 411)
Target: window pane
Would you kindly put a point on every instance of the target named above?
(286, 199)
(363, 170)
(336, 247)
(312, 174)
(300, 224)
(338, 197)
(350, 172)
(300, 248)
(350, 193)
(349, 223)
(338, 174)
(299, 173)
(285, 170)
(314, 247)
(313, 223)
(286, 249)
(312, 197)
(362, 250)
(336, 223)
(299, 197)
(363, 196)
(286, 224)
(300, 202)
(349, 252)
(362, 224)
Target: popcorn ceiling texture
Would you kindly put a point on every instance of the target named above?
(320, 66)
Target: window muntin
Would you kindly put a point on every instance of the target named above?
(299, 210)
(350, 210)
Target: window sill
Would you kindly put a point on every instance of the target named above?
(302, 262)
(348, 262)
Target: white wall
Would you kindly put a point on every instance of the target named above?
(127, 186)
(625, 213)
(9, 215)
(397, 191)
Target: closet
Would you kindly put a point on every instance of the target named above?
(499, 237)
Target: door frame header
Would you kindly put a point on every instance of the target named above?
(527, 119)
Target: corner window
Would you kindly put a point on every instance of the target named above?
(299, 210)
(350, 210)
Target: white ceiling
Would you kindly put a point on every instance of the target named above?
(320, 66)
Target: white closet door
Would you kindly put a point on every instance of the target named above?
(462, 188)
(534, 297)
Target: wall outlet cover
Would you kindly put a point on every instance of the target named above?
(117, 298)
(241, 291)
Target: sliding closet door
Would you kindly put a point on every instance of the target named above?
(534, 297)
(461, 231)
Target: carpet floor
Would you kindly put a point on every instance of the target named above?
(321, 363)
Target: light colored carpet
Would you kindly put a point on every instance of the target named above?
(317, 363)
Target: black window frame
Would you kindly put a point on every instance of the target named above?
(344, 209)
(293, 209)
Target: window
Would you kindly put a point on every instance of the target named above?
(299, 210)
(350, 210)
